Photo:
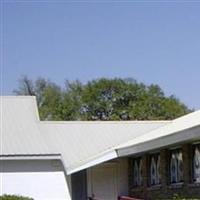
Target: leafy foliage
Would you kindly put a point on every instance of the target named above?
(102, 99)
(14, 197)
(178, 197)
(48, 94)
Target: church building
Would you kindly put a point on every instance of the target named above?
(104, 160)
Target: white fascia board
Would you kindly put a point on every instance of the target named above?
(103, 158)
(30, 157)
(192, 134)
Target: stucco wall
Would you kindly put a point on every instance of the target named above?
(39, 179)
(108, 180)
(122, 176)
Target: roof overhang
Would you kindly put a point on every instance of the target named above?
(188, 135)
(106, 156)
(31, 157)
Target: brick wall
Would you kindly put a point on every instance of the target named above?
(165, 189)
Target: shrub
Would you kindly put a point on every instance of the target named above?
(177, 197)
(14, 197)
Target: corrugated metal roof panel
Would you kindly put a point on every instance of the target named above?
(181, 124)
(19, 127)
(81, 142)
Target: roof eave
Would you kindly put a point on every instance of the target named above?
(187, 135)
(31, 157)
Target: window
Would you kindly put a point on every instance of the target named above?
(196, 163)
(155, 178)
(176, 166)
(137, 172)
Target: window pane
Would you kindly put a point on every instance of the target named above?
(180, 166)
(135, 173)
(158, 170)
(196, 164)
(153, 171)
(140, 172)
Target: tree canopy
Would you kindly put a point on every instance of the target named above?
(101, 99)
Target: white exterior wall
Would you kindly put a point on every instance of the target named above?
(39, 179)
(108, 180)
(123, 176)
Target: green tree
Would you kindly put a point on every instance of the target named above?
(48, 94)
(14, 197)
(125, 99)
(102, 99)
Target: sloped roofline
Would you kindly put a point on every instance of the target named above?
(170, 130)
(32, 98)
(181, 129)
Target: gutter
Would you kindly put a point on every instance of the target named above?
(31, 157)
(189, 135)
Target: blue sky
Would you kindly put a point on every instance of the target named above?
(150, 41)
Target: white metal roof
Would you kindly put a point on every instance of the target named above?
(19, 133)
(181, 129)
(81, 144)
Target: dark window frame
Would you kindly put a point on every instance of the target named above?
(140, 173)
(158, 179)
(176, 152)
(193, 153)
